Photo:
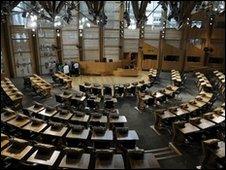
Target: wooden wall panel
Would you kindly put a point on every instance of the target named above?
(171, 50)
(191, 50)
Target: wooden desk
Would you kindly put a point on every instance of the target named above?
(78, 98)
(198, 104)
(46, 113)
(15, 97)
(48, 162)
(83, 119)
(190, 108)
(7, 116)
(179, 112)
(216, 118)
(147, 162)
(205, 94)
(204, 124)
(220, 111)
(220, 152)
(213, 155)
(116, 162)
(35, 110)
(189, 128)
(107, 136)
(65, 96)
(64, 78)
(131, 136)
(17, 156)
(166, 115)
(203, 99)
(80, 163)
(119, 120)
(102, 120)
(158, 95)
(19, 123)
(4, 140)
(35, 128)
(61, 116)
(59, 133)
(78, 135)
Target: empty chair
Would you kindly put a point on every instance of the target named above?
(96, 90)
(82, 88)
(109, 104)
(91, 104)
(107, 90)
(119, 90)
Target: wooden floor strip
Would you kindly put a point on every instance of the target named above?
(164, 153)
(166, 157)
(174, 148)
(156, 131)
(159, 149)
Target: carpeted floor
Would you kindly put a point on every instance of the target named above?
(141, 122)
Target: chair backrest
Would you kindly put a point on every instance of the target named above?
(108, 91)
(59, 99)
(109, 104)
(90, 103)
(82, 88)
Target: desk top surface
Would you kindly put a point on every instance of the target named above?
(49, 162)
(147, 162)
(132, 135)
(36, 128)
(59, 133)
(115, 163)
(19, 123)
(79, 135)
(108, 135)
(81, 163)
(17, 156)
(189, 128)
(120, 119)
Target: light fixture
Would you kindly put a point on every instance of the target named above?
(88, 24)
(33, 35)
(33, 29)
(58, 34)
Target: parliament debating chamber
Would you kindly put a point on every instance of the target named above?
(113, 84)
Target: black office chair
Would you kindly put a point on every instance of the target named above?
(119, 90)
(109, 104)
(95, 90)
(107, 90)
(130, 91)
(90, 103)
(82, 88)
(60, 100)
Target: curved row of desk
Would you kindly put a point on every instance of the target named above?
(36, 154)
